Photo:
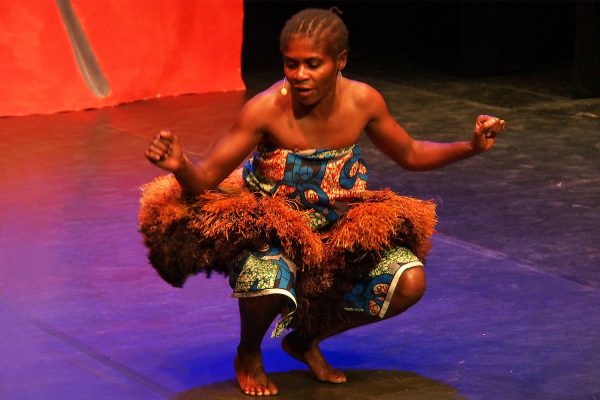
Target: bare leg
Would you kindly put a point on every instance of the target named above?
(409, 290)
(256, 314)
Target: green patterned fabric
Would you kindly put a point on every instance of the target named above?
(270, 272)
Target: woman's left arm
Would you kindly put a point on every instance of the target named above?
(420, 155)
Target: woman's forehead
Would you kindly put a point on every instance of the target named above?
(305, 47)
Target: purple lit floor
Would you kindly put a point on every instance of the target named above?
(512, 307)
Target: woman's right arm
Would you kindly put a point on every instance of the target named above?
(165, 151)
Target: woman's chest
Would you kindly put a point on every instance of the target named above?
(338, 131)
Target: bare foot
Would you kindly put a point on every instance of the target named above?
(310, 354)
(251, 375)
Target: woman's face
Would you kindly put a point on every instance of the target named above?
(310, 70)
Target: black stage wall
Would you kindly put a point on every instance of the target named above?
(465, 38)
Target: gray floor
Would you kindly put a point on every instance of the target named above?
(512, 305)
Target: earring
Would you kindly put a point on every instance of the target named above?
(283, 89)
(339, 74)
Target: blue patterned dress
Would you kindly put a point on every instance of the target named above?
(324, 183)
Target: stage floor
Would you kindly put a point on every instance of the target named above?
(513, 299)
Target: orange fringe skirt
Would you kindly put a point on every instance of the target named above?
(186, 236)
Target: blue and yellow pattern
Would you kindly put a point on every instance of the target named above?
(374, 294)
(323, 181)
(264, 272)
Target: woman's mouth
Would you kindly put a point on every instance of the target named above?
(303, 91)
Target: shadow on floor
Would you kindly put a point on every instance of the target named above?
(362, 384)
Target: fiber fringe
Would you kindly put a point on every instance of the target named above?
(208, 233)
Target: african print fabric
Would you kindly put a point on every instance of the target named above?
(264, 272)
(374, 294)
(324, 182)
(321, 180)
(269, 271)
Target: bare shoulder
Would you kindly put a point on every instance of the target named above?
(268, 101)
(365, 96)
(258, 113)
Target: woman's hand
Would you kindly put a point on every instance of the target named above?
(486, 129)
(165, 152)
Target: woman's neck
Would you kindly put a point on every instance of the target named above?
(324, 108)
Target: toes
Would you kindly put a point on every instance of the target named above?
(250, 390)
(271, 390)
(265, 391)
(337, 377)
(260, 390)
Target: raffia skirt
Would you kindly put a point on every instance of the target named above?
(208, 233)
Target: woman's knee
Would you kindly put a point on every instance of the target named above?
(413, 283)
(409, 290)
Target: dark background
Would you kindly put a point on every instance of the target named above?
(462, 38)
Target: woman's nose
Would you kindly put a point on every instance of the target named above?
(301, 73)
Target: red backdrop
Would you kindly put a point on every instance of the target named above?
(144, 49)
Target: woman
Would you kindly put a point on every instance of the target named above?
(334, 255)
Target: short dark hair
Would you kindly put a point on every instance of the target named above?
(319, 25)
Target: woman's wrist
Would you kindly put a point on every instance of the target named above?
(474, 147)
(184, 164)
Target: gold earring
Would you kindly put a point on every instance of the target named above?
(283, 89)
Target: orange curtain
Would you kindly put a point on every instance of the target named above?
(143, 49)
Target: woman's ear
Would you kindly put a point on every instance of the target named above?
(342, 59)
